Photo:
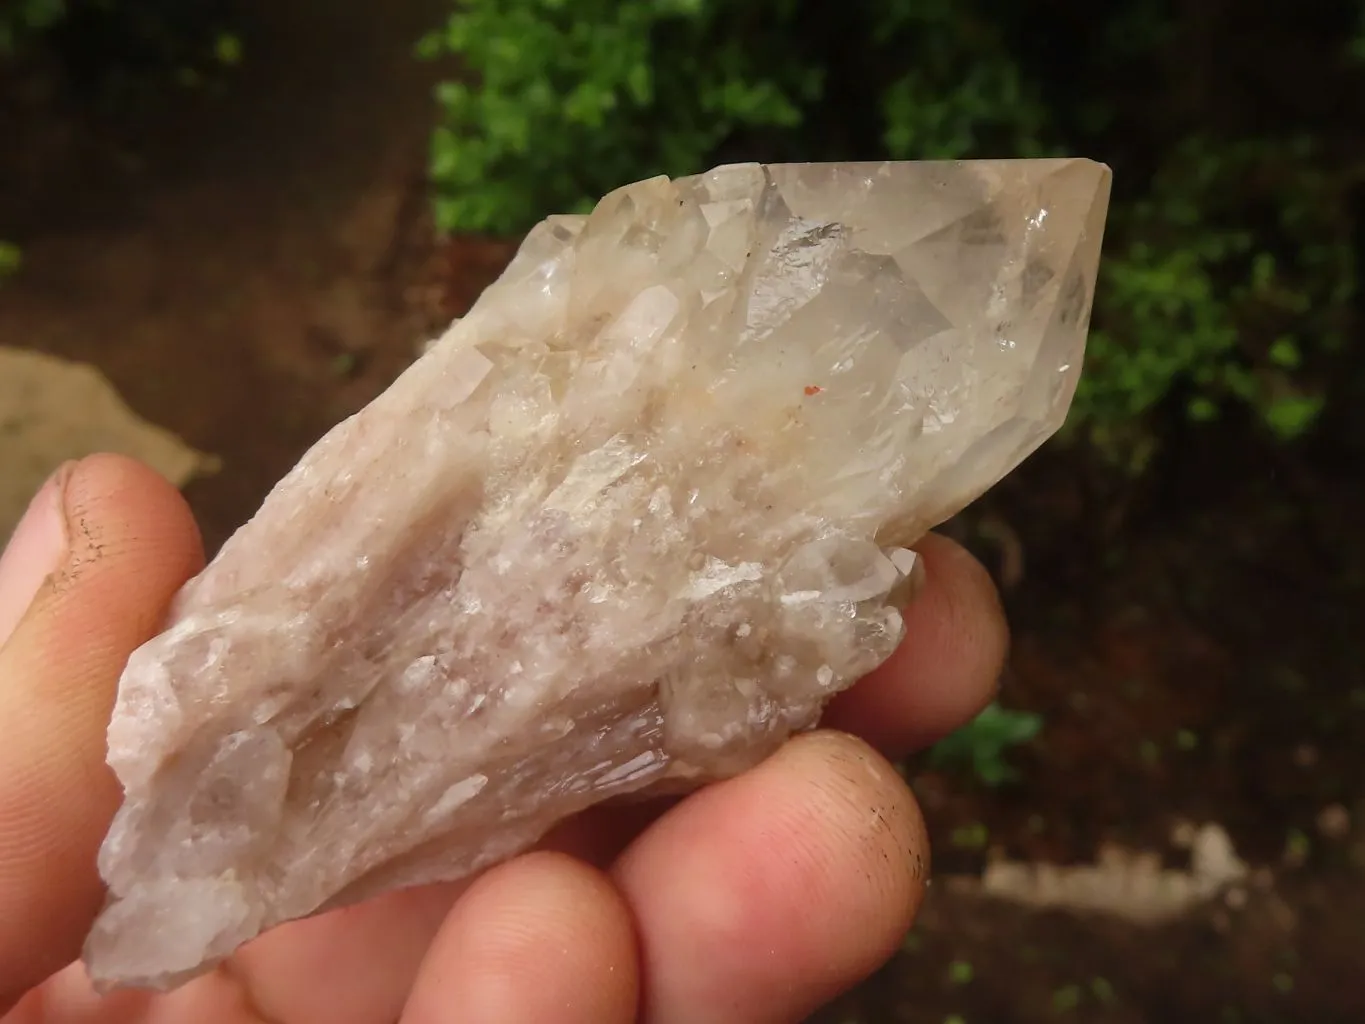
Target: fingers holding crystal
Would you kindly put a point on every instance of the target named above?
(946, 668)
(350, 966)
(544, 937)
(131, 543)
(761, 897)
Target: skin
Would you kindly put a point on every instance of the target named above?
(753, 901)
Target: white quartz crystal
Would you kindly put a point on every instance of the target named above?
(627, 525)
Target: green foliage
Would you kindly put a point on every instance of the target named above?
(20, 19)
(227, 49)
(572, 95)
(938, 106)
(125, 49)
(1230, 276)
(568, 99)
(982, 745)
(1197, 293)
(11, 259)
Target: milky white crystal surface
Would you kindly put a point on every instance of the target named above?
(627, 525)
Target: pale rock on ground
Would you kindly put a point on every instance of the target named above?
(53, 410)
(1130, 884)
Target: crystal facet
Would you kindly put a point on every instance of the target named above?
(626, 526)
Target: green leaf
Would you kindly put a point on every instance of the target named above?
(982, 744)
(1202, 409)
(11, 259)
(1285, 352)
(1291, 417)
(227, 49)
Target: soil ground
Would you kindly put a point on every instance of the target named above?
(249, 265)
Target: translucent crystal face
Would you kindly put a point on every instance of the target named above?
(627, 525)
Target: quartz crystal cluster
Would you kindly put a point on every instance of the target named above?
(626, 526)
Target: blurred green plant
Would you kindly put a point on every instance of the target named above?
(956, 90)
(1202, 289)
(571, 98)
(1230, 276)
(116, 48)
(11, 259)
(20, 19)
(981, 746)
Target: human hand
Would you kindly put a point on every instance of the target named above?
(755, 900)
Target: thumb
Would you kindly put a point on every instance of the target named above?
(87, 578)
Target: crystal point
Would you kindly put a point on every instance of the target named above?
(626, 526)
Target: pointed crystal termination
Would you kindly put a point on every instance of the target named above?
(626, 526)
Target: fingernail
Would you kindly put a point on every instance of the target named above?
(35, 550)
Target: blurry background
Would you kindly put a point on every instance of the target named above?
(246, 214)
